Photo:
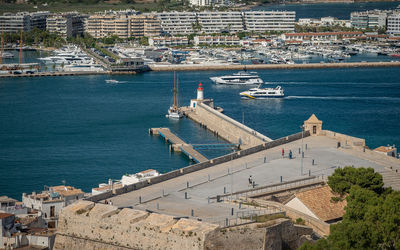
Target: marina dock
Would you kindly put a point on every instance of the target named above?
(177, 144)
(189, 67)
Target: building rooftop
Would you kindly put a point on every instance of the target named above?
(7, 199)
(5, 215)
(319, 201)
(385, 149)
(66, 190)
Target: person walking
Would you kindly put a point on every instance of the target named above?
(283, 153)
(250, 180)
(290, 154)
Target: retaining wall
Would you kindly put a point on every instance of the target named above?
(199, 166)
(344, 139)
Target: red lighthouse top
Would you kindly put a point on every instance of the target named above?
(200, 86)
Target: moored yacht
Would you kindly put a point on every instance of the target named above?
(262, 93)
(174, 111)
(240, 78)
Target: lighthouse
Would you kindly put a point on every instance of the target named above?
(200, 93)
(200, 97)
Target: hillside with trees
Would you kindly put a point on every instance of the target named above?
(372, 218)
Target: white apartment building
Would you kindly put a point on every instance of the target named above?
(175, 23)
(168, 41)
(216, 40)
(67, 24)
(393, 24)
(261, 21)
(124, 26)
(368, 19)
(50, 202)
(200, 2)
(217, 22)
(25, 21)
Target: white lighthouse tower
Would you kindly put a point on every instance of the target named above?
(200, 97)
(200, 92)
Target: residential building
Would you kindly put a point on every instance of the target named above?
(51, 201)
(217, 40)
(389, 150)
(67, 24)
(168, 41)
(324, 21)
(177, 23)
(200, 2)
(261, 21)
(218, 21)
(393, 24)
(123, 26)
(25, 21)
(12, 206)
(368, 19)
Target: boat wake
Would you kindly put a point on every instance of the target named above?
(382, 98)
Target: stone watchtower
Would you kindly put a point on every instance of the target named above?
(313, 125)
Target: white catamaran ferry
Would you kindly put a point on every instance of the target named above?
(240, 78)
(259, 93)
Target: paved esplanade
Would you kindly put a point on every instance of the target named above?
(321, 149)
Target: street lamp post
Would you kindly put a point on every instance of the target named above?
(302, 150)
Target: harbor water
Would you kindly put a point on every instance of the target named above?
(83, 130)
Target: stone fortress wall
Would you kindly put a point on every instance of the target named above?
(86, 225)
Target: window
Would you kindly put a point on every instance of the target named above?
(314, 129)
(52, 211)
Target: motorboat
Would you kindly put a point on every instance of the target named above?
(263, 93)
(174, 111)
(112, 81)
(7, 55)
(240, 78)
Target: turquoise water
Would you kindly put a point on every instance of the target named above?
(338, 10)
(84, 131)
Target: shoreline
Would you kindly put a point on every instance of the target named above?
(218, 67)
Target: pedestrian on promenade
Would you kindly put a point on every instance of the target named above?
(105, 202)
(250, 180)
(110, 203)
(290, 154)
(283, 153)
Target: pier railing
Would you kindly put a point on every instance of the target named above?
(199, 166)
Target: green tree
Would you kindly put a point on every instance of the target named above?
(372, 218)
(344, 178)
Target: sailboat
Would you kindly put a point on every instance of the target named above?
(174, 112)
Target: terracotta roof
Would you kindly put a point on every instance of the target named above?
(5, 215)
(384, 149)
(146, 171)
(313, 119)
(66, 190)
(318, 200)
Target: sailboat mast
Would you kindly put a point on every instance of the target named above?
(177, 92)
(20, 48)
(2, 44)
(174, 104)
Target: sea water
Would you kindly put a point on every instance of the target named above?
(83, 130)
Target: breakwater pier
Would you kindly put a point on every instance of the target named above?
(177, 144)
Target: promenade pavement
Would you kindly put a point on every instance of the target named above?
(212, 181)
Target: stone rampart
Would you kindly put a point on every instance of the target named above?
(84, 225)
(345, 140)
